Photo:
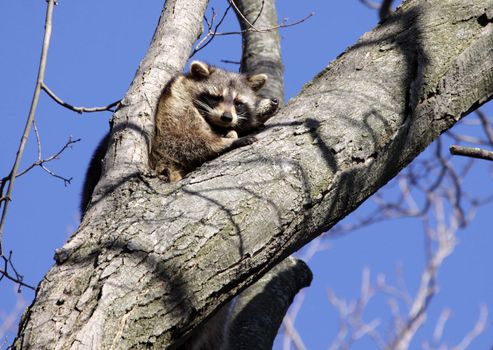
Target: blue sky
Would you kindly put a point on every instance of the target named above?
(95, 50)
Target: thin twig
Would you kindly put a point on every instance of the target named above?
(38, 139)
(268, 29)
(455, 193)
(350, 314)
(40, 162)
(467, 138)
(213, 33)
(292, 333)
(477, 330)
(445, 238)
(79, 110)
(486, 125)
(30, 118)
(259, 12)
(472, 152)
(243, 16)
(16, 277)
(230, 62)
(438, 332)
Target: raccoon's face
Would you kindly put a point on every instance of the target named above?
(223, 108)
(229, 100)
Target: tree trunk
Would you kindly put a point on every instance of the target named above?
(151, 260)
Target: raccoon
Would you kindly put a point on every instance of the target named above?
(200, 115)
(203, 114)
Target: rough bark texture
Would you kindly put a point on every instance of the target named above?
(152, 260)
(257, 312)
(260, 309)
(261, 44)
(78, 325)
(179, 26)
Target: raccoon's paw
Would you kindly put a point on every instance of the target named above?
(245, 141)
(266, 108)
(232, 134)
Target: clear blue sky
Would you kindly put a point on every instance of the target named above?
(96, 48)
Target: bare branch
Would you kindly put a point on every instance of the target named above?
(488, 130)
(231, 62)
(79, 110)
(8, 271)
(211, 33)
(38, 139)
(240, 13)
(444, 236)
(30, 118)
(351, 324)
(311, 185)
(291, 334)
(40, 161)
(283, 24)
(466, 138)
(437, 334)
(477, 330)
(471, 152)
(260, 309)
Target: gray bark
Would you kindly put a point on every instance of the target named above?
(152, 260)
(261, 44)
(180, 25)
(260, 309)
(257, 312)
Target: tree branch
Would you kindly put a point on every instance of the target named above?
(259, 311)
(133, 124)
(30, 117)
(79, 110)
(14, 276)
(153, 260)
(471, 152)
(261, 50)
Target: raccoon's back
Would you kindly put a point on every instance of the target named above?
(183, 140)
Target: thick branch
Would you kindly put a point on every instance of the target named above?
(179, 26)
(259, 311)
(261, 49)
(154, 261)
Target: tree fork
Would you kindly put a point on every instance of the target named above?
(151, 260)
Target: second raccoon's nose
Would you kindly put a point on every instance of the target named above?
(227, 117)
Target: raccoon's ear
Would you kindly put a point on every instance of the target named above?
(257, 81)
(199, 69)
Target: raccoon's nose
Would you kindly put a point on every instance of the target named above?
(227, 117)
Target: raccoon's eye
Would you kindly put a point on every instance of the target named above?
(215, 98)
(239, 104)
